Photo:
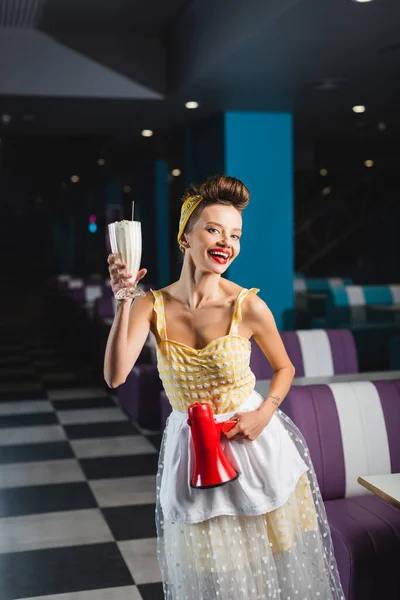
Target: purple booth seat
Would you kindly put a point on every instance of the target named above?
(353, 429)
(313, 353)
(139, 396)
(75, 283)
(93, 291)
(76, 294)
(104, 307)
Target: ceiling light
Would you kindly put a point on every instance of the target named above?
(382, 126)
(326, 191)
(361, 1)
(147, 133)
(101, 162)
(6, 119)
(369, 163)
(359, 109)
(176, 172)
(75, 178)
(127, 189)
(192, 105)
(323, 172)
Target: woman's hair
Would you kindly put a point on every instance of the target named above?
(219, 189)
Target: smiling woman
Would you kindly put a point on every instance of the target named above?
(263, 534)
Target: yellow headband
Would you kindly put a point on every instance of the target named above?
(188, 207)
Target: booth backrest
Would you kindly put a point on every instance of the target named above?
(364, 295)
(348, 304)
(351, 429)
(105, 306)
(303, 284)
(314, 353)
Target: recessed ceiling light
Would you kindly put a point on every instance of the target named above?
(359, 109)
(6, 119)
(75, 178)
(382, 126)
(147, 133)
(176, 172)
(361, 1)
(127, 189)
(369, 163)
(326, 191)
(192, 105)
(101, 162)
(323, 172)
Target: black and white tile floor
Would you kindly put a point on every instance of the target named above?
(77, 483)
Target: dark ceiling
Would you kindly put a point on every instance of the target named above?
(147, 17)
(316, 58)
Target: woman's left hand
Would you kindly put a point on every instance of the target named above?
(250, 425)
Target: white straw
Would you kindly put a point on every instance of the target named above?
(133, 210)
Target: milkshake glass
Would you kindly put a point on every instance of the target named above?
(126, 243)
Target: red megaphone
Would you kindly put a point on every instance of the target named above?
(211, 467)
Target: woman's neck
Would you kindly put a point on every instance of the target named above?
(196, 288)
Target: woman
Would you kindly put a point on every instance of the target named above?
(264, 535)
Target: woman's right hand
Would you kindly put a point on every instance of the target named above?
(118, 275)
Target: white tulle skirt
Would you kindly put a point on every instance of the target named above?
(262, 536)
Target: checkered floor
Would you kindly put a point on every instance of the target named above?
(77, 482)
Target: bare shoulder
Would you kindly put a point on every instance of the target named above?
(253, 303)
(143, 305)
(255, 311)
(251, 300)
(147, 299)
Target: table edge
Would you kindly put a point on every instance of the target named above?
(378, 492)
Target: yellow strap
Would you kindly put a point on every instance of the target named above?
(237, 316)
(160, 312)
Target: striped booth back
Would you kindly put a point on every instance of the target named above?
(349, 302)
(105, 306)
(95, 291)
(320, 285)
(314, 353)
(352, 429)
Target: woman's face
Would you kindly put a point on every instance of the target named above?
(214, 241)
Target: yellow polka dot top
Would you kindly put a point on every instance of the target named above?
(219, 373)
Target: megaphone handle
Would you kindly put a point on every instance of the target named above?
(224, 426)
(227, 425)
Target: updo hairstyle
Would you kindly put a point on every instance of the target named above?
(220, 189)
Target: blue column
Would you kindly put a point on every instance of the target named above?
(259, 151)
(162, 222)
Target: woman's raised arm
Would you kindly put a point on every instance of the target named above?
(129, 330)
